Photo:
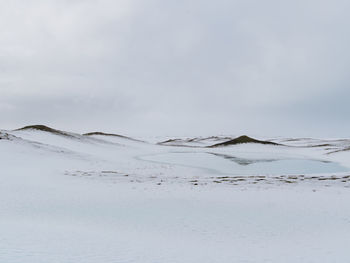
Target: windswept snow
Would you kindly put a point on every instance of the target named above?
(99, 198)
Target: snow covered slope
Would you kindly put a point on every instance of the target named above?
(66, 197)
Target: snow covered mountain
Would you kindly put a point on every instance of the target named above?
(98, 197)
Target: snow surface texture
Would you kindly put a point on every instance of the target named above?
(102, 198)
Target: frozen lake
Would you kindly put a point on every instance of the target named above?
(253, 164)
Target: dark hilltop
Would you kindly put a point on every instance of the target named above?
(241, 140)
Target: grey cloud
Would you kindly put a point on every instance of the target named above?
(176, 67)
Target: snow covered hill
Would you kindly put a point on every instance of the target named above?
(97, 197)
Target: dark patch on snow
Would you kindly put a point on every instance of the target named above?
(241, 140)
(321, 145)
(341, 150)
(112, 135)
(242, 161)
(173, 141)
(199, 140)
(4, 136)
(45, 129)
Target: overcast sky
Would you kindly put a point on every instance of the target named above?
(177, 67)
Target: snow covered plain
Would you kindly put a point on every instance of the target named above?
(73, 198)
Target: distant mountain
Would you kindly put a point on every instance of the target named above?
(73, 135)
(111, 134)
(45, 129)
(241, 140)
(195, 142)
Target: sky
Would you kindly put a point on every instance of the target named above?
(194, 67)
